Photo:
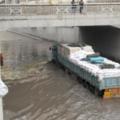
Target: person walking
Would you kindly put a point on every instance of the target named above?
(81, 3)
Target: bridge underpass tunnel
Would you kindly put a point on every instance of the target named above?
(104, 39)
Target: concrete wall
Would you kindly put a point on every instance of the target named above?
(105, 39)
(92, 18)
(59, 34)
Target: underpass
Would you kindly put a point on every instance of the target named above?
(29, 93)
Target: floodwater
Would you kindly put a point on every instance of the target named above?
(50, 94)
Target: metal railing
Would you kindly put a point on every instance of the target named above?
(38, 10)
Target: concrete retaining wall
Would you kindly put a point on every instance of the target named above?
(104, 39)
(59, 34)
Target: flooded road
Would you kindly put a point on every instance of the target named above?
(50, 93)
(21, 53)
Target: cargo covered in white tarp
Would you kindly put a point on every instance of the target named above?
(66, 50)
(77, 58)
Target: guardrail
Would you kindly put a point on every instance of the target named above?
(36, 10)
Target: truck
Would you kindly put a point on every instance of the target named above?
(100, 74)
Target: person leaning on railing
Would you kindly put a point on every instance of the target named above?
(81, 4)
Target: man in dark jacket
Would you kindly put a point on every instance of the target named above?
(81, 3)
(73, 6)
(1, 59)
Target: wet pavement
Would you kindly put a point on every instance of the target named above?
(21, 53)
(50, 93)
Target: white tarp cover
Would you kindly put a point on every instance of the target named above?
(94, 69)
(3, 89)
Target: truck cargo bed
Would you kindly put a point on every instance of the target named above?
(109, 84)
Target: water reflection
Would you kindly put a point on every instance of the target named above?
(20, 52)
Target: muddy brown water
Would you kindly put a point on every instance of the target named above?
(51, 94)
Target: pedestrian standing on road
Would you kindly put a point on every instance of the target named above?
(73, 6)
(81, 3)
(1, 59)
